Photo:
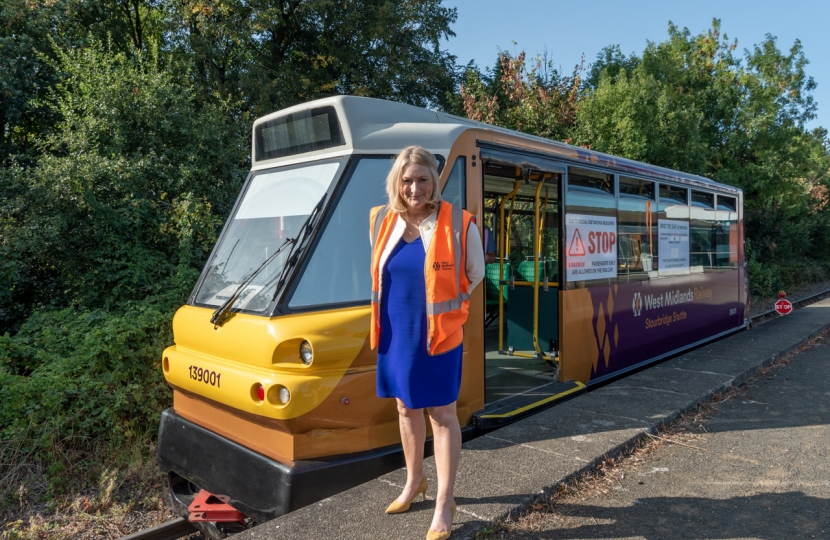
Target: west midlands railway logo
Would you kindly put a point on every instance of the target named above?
(436, 266)
(637, 304)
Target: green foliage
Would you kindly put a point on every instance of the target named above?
(276, 54)
(113, 220)
(636, 116)
(129, 185)
(81, 379)
(610, 61)
(30, 33)
(26, 78)
(764, 279)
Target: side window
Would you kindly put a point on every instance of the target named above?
(662, 230)
(674, 194)
(637, 212)
(590, 238)
(701, 199)
(726, 232)
(702, 225)
(455, 190)
(590, 181)
(727, 203)
(637, 189)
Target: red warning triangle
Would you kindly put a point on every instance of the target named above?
(577, 248)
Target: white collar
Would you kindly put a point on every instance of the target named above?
(428, 222)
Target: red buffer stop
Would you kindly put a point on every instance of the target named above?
(209, 507)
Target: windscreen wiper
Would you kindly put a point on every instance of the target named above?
(299, 246)
(224, 310)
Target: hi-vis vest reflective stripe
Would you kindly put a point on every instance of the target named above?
(448, 298)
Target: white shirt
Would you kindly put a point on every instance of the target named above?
(474, 266)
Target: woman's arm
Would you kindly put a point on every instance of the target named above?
(475, 257)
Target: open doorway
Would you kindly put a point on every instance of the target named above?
(522, 220)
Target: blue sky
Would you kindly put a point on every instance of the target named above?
(567, 29)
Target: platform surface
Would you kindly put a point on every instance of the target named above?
(500, 473)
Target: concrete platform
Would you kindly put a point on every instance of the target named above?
(503, 471)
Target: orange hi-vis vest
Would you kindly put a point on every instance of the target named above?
(448, 289)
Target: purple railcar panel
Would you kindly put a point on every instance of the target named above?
(638, 321)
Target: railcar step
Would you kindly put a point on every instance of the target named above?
(510, 409)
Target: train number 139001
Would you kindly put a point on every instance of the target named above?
(206, 376)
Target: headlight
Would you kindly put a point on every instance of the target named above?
(306, 354)
(285, 395)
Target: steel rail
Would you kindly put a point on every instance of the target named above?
(180, 527)
(169, 530)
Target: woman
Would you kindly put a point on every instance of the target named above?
(426, 259)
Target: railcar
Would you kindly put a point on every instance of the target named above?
(603, 265)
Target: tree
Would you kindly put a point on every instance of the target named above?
(31, 32)
(612, 61)
(536, 100)
(273, 54)
(258, 55)
(24, 34)
(131, 185)
(635, 116)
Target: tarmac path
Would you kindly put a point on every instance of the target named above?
(757, 467)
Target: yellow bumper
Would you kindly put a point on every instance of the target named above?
(228, 365)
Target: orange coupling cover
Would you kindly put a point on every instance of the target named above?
(209, 507)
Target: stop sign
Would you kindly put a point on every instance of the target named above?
(783, 306)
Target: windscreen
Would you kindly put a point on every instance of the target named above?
(338, 271)
(273, 209)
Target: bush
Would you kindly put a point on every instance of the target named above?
(76, 380)
(767, 278)
(764, 279)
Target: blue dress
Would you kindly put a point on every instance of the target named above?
(405, 369)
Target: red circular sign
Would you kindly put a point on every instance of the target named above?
(783, 306)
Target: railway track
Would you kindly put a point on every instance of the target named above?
(180, 527)
(169, 530)
(806, 301)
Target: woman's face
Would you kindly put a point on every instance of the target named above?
(416, 186)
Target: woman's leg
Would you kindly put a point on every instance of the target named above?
(413, 435)
(446, 436)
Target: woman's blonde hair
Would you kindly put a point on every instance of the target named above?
(411, 154)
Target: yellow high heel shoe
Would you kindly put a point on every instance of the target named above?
(398, 508)
(432, 535)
